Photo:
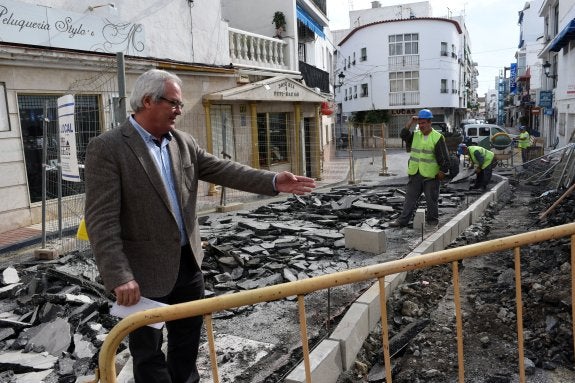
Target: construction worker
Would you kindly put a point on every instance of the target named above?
(483, 160)
(428, 165)
(524, 141)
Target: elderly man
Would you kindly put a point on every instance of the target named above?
(141, 191)
(428, 164)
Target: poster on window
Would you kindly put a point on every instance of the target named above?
(68, 157)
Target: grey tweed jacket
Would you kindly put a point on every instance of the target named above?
(132, 230)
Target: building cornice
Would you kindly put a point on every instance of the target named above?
(441, 19)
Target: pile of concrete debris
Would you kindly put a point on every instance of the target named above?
(54, 315)
(53, 319)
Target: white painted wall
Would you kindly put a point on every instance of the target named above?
(532, 27)
(375, 72)
(365, 16)
(175, 30)
(241, 15)
(564, 92)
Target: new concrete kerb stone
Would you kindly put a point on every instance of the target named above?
(337, 353)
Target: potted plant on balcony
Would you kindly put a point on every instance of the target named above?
(280, 22)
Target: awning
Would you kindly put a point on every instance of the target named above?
(309, 21)
(567, 34)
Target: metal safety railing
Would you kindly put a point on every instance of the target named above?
(107, 373)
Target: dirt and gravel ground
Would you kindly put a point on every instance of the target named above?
(488, 304)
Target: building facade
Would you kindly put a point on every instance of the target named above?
(244, 92)
(557, 96)
(400, 65)
(523, 108)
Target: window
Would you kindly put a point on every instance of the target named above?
(353, 62)
(355, 91)
(396, 82)
(301, 54)
(404, 44)
(404, 81)
(411, 44)
(87, 125)
(363, 54)
(348, 61)
(364, 92)
(344, 63)
(453, 51)
(453, 87)
(411, 81)
(222, 130)
(443, 48)
(443, 85)
(272, 138)
(396, 45)
(484, 132)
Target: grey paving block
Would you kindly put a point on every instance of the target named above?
(351, 332)
(325, 364)
(368, 240)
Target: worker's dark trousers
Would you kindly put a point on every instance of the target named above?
(150, 363)
(416, 185)
(484, 176)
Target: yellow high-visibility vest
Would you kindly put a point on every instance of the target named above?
(488, 155)
(524, 140)
(422, 157)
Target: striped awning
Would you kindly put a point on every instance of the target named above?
(567, 34)
(303, 16)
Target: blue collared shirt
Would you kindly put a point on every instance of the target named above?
(161, 155)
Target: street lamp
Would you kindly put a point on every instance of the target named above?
(547, 68)
(340, 78)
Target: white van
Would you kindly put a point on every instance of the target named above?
(473, 134)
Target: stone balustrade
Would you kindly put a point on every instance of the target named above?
(258, 51)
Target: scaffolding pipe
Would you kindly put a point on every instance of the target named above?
(107, 371)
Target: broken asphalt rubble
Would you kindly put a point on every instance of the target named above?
(54, 315)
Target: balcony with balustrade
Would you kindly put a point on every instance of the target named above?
(253, 51)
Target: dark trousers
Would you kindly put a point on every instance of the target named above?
(416, 185)
(150, 363)
(524, 155)
(484, 176)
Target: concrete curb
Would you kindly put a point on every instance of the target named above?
(337, 353)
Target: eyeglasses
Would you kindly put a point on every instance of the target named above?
(174, 103)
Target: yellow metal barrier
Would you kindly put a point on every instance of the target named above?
(107, 372)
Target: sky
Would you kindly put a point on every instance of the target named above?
(492, 24)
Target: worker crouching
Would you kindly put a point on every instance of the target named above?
(483, 160)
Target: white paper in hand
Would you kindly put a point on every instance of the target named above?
(143, 304)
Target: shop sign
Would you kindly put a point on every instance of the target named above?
(286, 89)
(546, 98)
(513, 78)
(410, 112)
(50, 27)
